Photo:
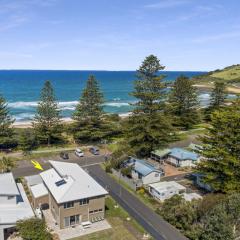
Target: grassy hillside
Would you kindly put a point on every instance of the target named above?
(229, 75)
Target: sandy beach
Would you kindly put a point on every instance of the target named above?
(28, 124)
(229, 89)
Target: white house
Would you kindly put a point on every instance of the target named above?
(164, 190)
(14, 204)
(144, 171)
(182, 158)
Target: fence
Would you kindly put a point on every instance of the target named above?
(133, 184)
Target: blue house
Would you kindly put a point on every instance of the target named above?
(180, 157)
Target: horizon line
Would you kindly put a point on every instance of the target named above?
(96, 70)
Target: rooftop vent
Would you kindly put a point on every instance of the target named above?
(60, 182)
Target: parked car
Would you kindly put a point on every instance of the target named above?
(94, 150)
(79, 152)
(64, 155)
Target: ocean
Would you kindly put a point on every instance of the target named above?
(21, 89)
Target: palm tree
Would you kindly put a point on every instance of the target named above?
(6, 164)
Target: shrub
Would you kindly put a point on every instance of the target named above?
(33, 229)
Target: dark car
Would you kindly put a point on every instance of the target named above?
(94, 150)
(64, 155)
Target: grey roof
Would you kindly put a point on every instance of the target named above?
(33, 180)
(168, 185)
(11, 213)
(69, 182)
(39, 190)
(8, 185)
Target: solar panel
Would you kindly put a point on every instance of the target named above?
(61, 182)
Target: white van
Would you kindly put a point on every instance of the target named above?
(79, 152)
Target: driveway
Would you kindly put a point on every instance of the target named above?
(151, 222)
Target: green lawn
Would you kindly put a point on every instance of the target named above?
(122, 229)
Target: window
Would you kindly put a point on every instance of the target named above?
(10, 197)
(96, 211)
(68, 205)
(84, 201)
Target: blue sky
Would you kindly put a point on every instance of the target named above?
(118, 34)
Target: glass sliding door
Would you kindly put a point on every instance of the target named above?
(72, 220)
(66, 221)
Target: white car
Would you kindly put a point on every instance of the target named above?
(79, 152)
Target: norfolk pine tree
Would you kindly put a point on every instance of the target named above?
(90, 125)
(184, 103)
(47, 123)
(149, 88)
(221, 149)
(6, 132)
(90, 103)
(148, 128)
(218, 95)
(217, 99)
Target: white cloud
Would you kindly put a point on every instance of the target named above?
(166, 4)
(14, 13)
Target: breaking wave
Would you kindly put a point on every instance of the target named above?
(70, 105)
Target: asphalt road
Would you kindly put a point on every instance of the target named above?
(151, 222)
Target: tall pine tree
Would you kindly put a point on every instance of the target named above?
(184, 103)
(90, 104)
(217, 99)
(221, 150)
(149, 128)
(218, 95)
(6, 132)
(47, 121)
(149, 88)
(90, 124)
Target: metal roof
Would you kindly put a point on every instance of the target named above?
(8, 185)
(143, 167)
(39, 190)
(33, 180)
(183, 154)
(11, 213)
(161, 153)
(77, 183)
(166, 186)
